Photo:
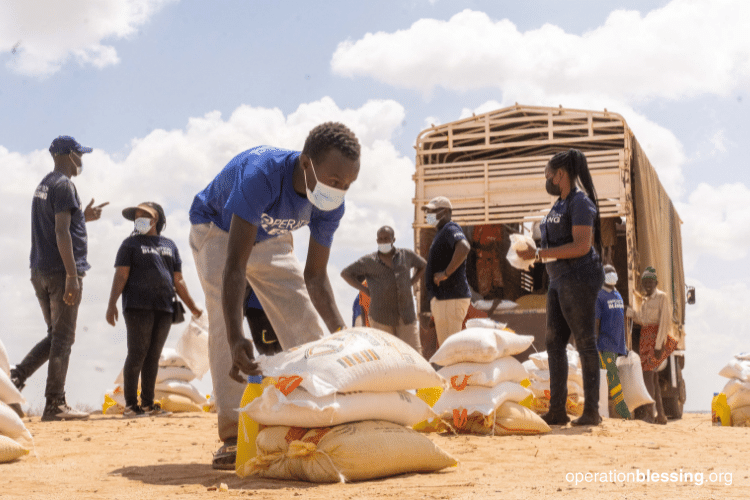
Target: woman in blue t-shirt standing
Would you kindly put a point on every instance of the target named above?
(148, 271)
(570, 238)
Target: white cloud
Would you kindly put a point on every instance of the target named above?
(716, 223)
(719, 142)
(687, 48)
(171, 167)
(44, 35)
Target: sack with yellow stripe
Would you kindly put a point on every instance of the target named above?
(349, 452)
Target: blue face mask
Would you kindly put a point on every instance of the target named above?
(324, 197)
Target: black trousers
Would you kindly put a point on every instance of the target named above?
(61, 333)
(147, 334)
(571, 308)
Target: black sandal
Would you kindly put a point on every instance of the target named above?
(226, 456)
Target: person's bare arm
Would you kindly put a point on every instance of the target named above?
(460, 252)
(420, 265)
(118, 285)
(242, 236)
(580, 246)
(319, 286)
(597, 328)
(65, 247)
(351, 279)
(182, 292)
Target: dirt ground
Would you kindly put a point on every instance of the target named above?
(108, 457)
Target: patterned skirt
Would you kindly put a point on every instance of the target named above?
(649, 361)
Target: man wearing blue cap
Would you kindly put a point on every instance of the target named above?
(58, 264)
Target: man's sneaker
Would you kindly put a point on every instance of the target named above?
(156, 411)
(59, 410)
(16, 379)
(133, 412)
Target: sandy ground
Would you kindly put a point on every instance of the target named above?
(108, 457)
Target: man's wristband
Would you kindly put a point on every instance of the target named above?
(537, 258)
(72, 276)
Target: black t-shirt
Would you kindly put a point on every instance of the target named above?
(152, 260)
(441, 253)
(56, 194)
(557, 230)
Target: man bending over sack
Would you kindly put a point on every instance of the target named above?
(241, 233)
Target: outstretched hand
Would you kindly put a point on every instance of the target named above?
(93, 212)
(243, 361)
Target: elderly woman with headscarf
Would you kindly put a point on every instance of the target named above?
(656, 343)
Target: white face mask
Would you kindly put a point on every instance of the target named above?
(324, 197)
(431, 219)
(385, 247)
(142, 225)
(79, 168)
(610, 279)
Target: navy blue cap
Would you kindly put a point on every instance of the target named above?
(65, 144)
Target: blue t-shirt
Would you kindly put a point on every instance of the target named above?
(557, 230)
(257, 186)
(441, 253)
(152, 260)
(610, 311)
(56, 194)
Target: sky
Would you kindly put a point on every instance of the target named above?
(167, 91)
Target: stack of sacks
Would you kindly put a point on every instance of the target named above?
(15, 439)
(485, 389)
(538, 368)
(737, 389)
(338, 409)
(173, 389)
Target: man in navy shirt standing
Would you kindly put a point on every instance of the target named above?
(445, 277)
(241, 233)
(58, 264)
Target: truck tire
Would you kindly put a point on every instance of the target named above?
(673, 405)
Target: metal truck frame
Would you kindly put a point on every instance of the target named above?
(491, 167)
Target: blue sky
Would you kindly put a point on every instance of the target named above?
(167, 91)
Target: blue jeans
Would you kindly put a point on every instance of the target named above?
(147, 333)
(61, 333)
(571, 308)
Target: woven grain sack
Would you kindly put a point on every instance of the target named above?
(542, 389)
(541, 360)
(739, 399)
(507, 369)
(356, 359)
(737, 369)
(178, 404)
(631, 378)
(170, 357)
(4, 361)
(181, 388)
(193, 345)
(741, 417)
(735, 385)
(513, 419)
(11, 450)
(349, 452)
(458, 405)
(11, 424)
(8, 392)
(301, 409)
(480, 345)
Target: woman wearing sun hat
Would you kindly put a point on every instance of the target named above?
(148, 271)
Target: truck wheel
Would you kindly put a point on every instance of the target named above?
(673, 405)
(672, 408)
